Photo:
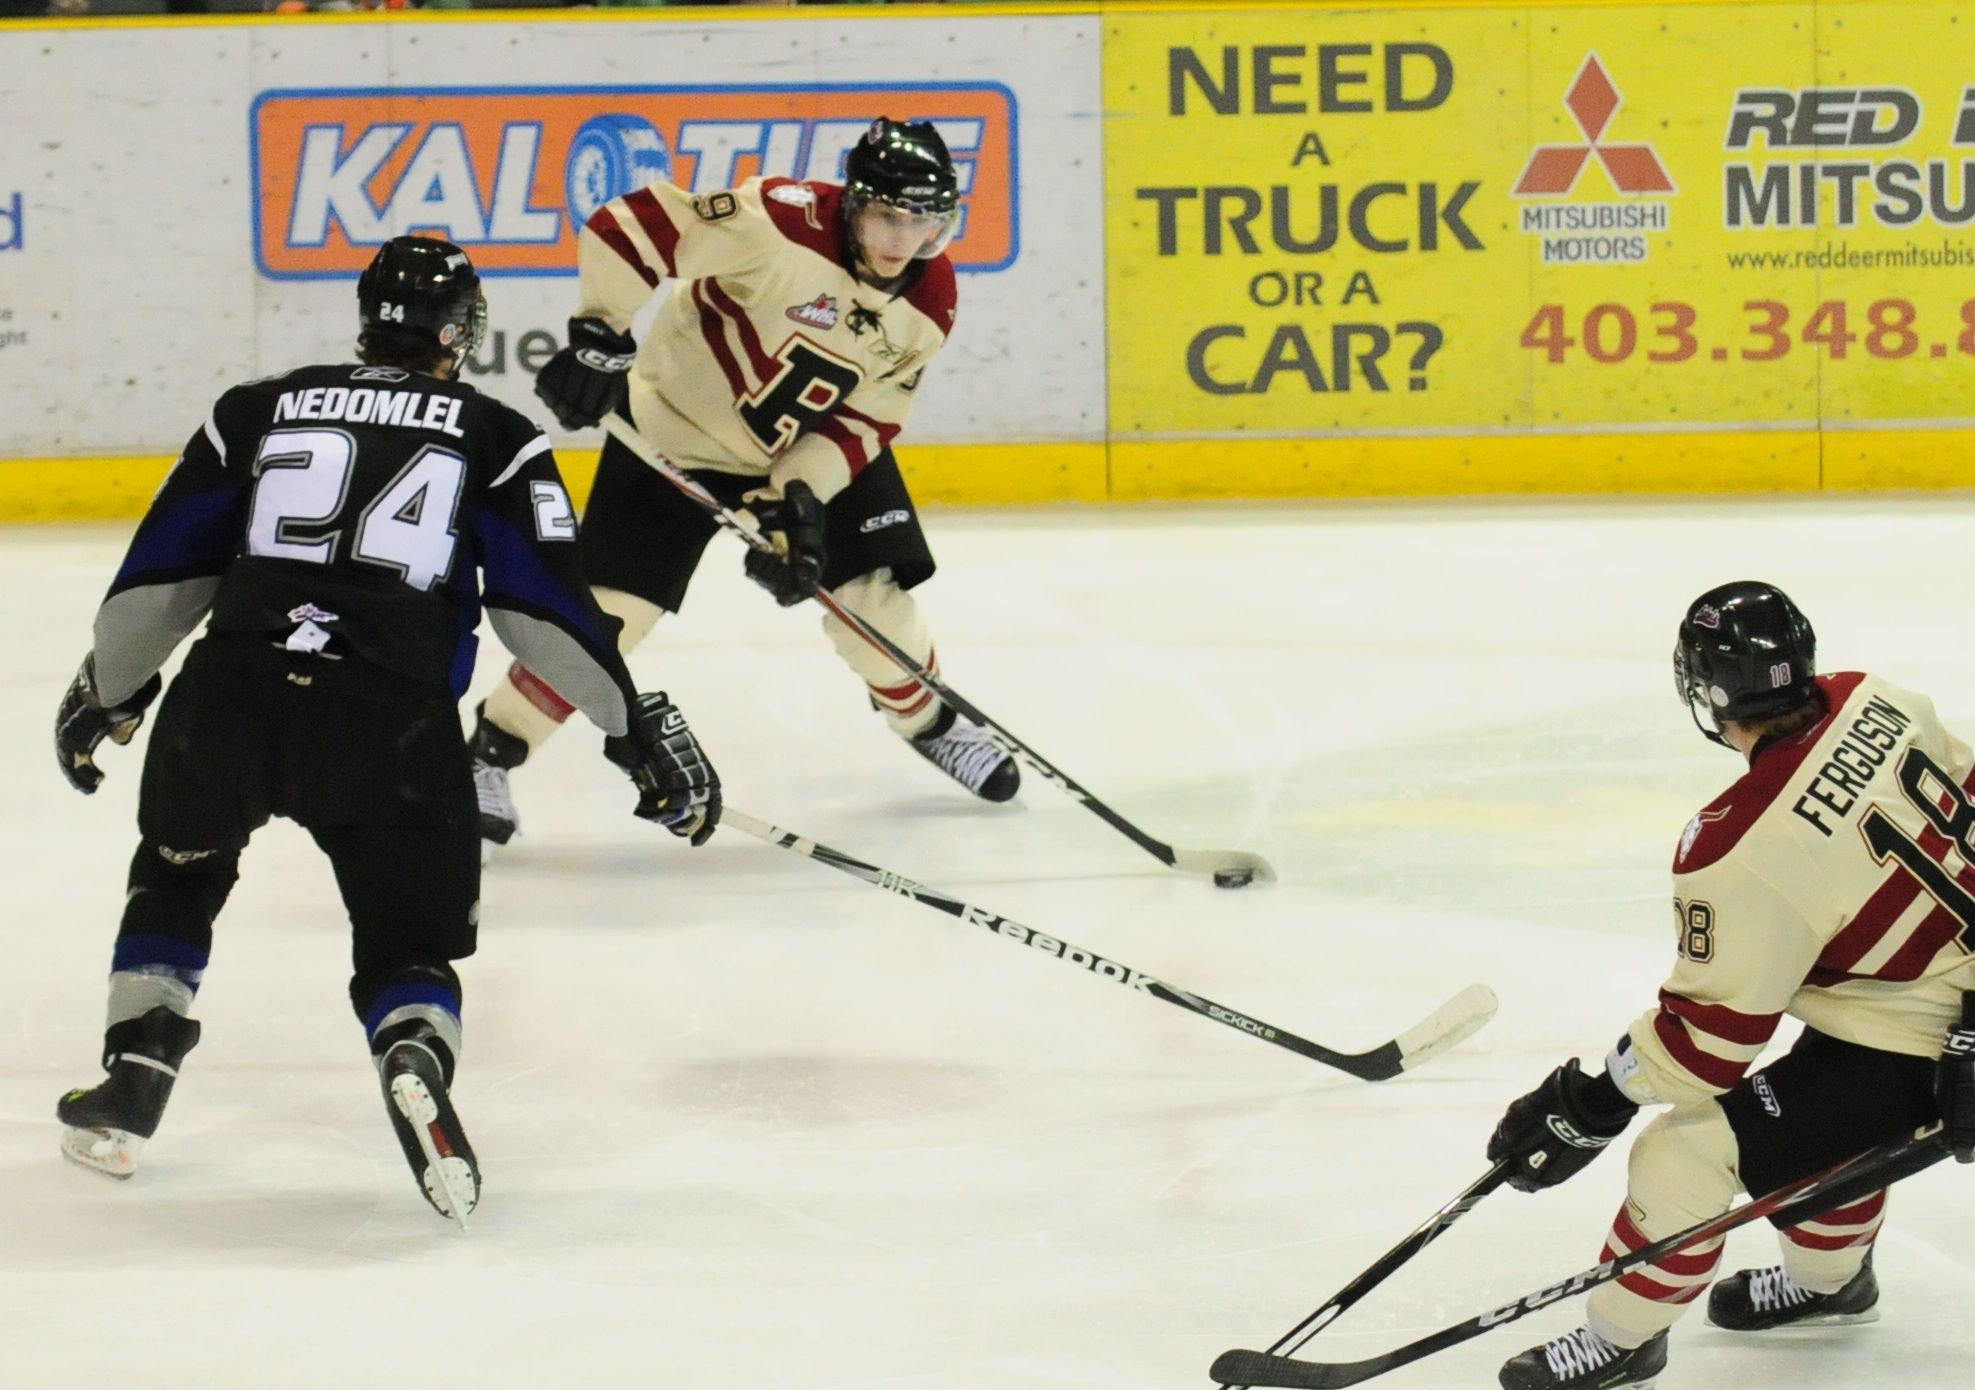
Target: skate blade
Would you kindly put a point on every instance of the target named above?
(111, 1152)
(447, 1180)
(1805, 1324)
(1832, 1320)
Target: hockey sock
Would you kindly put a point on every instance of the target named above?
(1825, 1254)
(416, 1000)
(149, 970)
(908, 706)
(525, 706)
(166, 935)
(1681, 1171)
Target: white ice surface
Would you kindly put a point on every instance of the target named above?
(748, 1122)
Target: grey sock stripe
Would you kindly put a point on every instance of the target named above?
(134, 993)
(444, 1022)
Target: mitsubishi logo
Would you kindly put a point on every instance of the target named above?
(1592, 102)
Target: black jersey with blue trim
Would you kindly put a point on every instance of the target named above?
(367, 512)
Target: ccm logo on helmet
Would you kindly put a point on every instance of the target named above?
(511, 174)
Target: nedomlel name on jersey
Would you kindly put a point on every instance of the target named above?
(363, 405)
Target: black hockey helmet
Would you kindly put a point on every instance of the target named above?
(419, 286)
(905, 164)
(1745, 652)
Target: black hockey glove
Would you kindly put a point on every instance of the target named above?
(583, 382)
(1555, 1131)
(794, 523)
(677, 786)
(83, 722)
(1954, 1084)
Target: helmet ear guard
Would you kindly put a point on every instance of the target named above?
(1745, 653)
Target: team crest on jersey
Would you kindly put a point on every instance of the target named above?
(1694, 828)
(1707, 616)
(796, 195)
(820, 312)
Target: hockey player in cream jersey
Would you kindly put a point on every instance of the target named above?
(778, 373)
(1835, 883)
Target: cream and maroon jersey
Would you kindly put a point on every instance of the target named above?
(770, 359)
(1833, 882)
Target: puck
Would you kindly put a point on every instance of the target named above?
(1233, 878)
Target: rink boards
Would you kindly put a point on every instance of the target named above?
(1257, 251)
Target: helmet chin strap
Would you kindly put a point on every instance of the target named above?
(1713, 735)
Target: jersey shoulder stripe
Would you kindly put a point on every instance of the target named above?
(808, 214)
(604, 225)
(657, 225)
(533, 448)
(1722, 823)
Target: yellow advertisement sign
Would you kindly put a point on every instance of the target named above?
(1700, 219)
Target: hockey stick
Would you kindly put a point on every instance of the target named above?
(1387, 1264)
(1821, 1192)
(1230, 868)
(1449, 1024)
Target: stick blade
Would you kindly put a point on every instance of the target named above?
(1235, 863)
(1453, 1022)
(1258, 1368)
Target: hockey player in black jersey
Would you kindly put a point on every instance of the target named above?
(339, 528)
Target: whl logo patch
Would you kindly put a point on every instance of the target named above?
(820, 312)
(1595, 233)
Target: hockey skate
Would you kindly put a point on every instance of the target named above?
(966, 753)
(428, 1129)
(1583, 1360)
(108, 1123)
(1757, 1300)
(496, 752)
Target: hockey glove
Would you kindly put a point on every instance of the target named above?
(793, 522)
(585, 380)
(1555, 1131)
(677, 786)
(1954, 1084)
(83, 722)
